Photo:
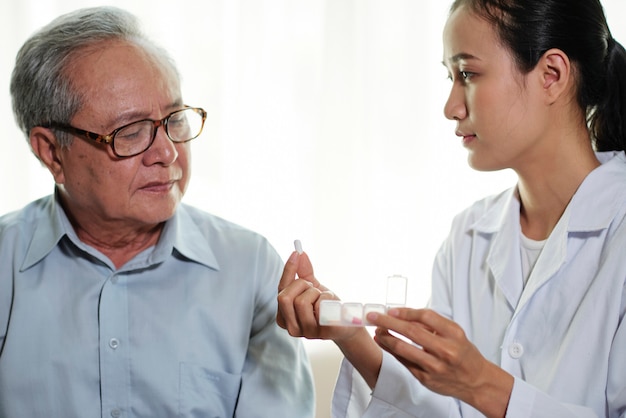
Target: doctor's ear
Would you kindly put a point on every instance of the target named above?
(557, 75)
(46, 148)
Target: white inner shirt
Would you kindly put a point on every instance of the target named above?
(530, 251)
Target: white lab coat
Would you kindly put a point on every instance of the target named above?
(561, 335)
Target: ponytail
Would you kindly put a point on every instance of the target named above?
(607, 119)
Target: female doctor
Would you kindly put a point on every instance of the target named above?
(528, 300)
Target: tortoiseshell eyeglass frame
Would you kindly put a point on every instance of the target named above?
(110, 138)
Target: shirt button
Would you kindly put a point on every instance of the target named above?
(115, 413)
(516, 350)
(114, 343)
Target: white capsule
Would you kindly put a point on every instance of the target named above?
(298, 245)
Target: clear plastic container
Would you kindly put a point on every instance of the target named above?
(354, 314)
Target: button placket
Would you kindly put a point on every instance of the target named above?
(114, 351)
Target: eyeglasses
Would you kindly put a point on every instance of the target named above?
(136, 137)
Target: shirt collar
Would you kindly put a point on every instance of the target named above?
(47, 233)
(183, 234)
(180, 234)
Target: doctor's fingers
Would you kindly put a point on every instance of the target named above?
(412, 356)
(388, 329)
(297, 266)
(433, 341)
(429, 319)
(443, 339)
(289, 271)
(448, 366)
(305, 269)
(296, 307)
(433, 373)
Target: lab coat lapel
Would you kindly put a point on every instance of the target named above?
(503, 258)
(578, 217)
(550, 261)
(503, 223)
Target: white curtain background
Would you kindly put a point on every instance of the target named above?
(325, 124)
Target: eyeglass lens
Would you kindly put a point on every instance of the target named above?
(181, 126)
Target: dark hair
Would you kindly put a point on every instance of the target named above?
(41, 85)
(529, 28)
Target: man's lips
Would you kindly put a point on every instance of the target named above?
(157, 186)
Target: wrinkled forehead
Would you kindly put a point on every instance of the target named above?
(116, 79)
(113, 53)
(110, 67)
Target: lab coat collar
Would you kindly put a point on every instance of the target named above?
(501, 222)
(604, 186)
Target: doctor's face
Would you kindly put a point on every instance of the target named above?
(498, 113)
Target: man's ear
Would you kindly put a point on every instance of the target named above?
(48, 150)
(556, 74)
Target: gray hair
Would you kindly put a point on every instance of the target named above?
(41, 86)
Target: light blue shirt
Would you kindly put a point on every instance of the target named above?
(561, 335)
(185, 329)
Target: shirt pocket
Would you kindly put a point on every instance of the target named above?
(206, 393)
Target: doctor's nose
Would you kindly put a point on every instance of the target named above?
(455, 108)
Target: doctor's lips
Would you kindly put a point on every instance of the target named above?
(466, 137)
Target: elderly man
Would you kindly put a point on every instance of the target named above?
(115, 298)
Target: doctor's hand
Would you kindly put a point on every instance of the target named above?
(299, 297)
(443, 359)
